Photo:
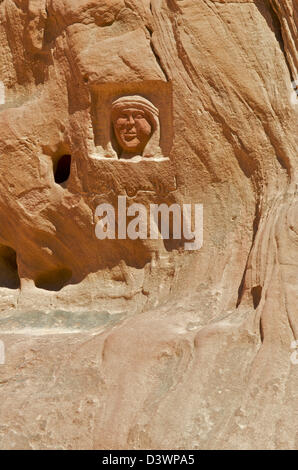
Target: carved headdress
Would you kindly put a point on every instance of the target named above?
(152, 148)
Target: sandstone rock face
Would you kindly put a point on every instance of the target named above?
(141, 344)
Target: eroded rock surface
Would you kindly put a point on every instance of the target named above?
(140, 343)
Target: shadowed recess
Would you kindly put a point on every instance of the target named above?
(8, 268)
(62, 169)
(256, 293)
(53, 280)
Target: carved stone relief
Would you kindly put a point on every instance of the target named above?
(136, 127)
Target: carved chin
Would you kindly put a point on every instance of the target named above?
(131, 145)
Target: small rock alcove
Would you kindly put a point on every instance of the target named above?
(9, 276)
(62, 169)
(53, 280)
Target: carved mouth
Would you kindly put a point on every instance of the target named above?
(130, 136)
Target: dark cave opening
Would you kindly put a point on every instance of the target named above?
(62, 169)
(53, 280)
(9, 276)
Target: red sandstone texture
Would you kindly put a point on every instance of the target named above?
(141, 344)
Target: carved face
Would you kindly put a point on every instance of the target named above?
(132, 129)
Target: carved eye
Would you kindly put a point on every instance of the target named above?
(139, 116)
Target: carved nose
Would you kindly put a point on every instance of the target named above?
(131, 120)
